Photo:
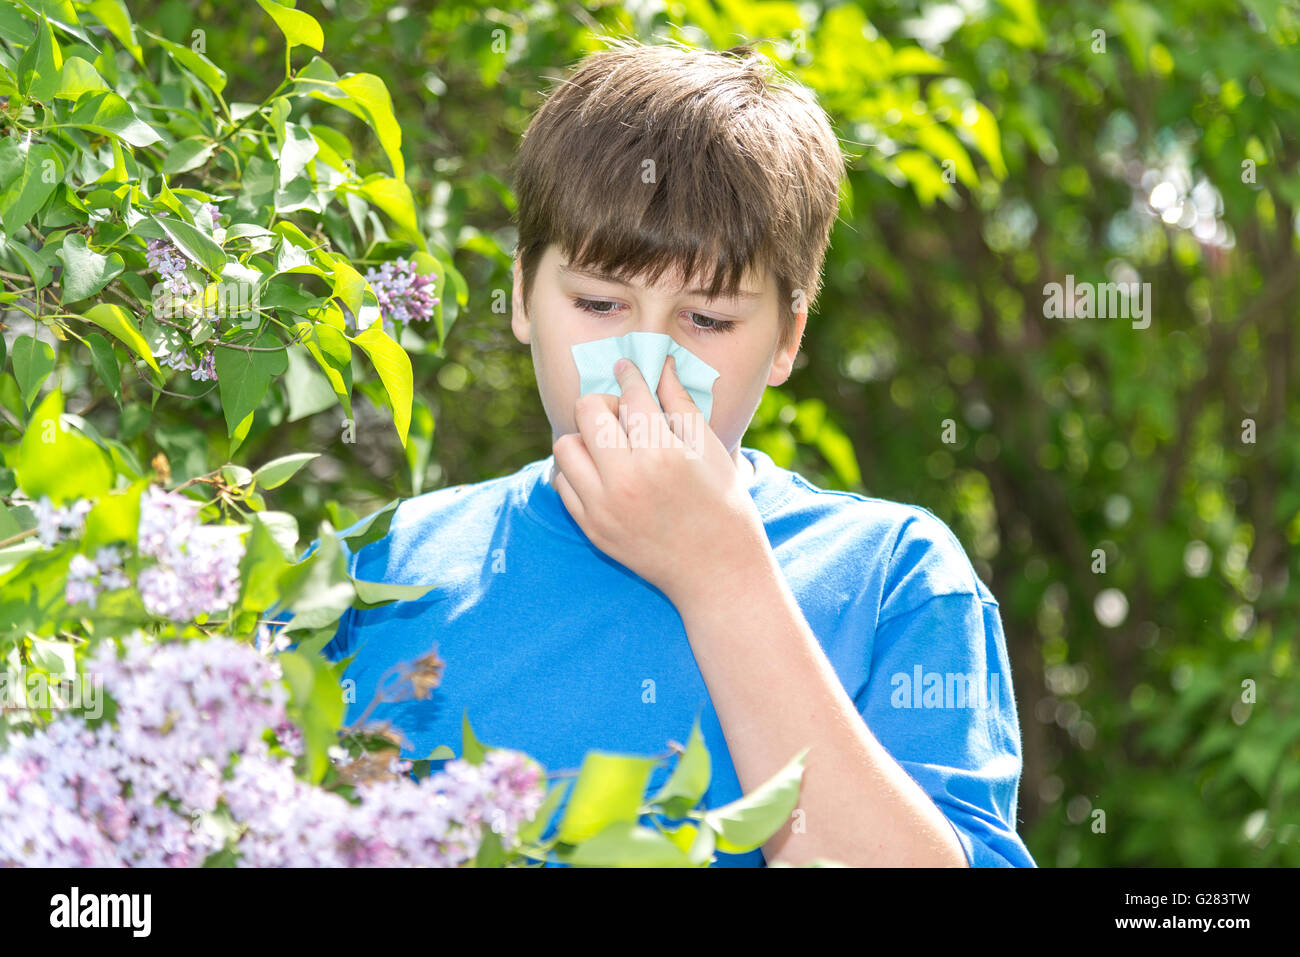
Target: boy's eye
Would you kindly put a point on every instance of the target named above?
(591, 305)
(713, 325)
(701, 323)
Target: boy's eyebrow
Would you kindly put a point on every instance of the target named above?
(607, 277)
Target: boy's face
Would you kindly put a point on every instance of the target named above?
(745, 353)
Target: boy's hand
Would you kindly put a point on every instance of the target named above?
(657, 491)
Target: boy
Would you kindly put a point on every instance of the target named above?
(602, 598)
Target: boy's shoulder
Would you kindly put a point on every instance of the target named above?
(418, 518)
(922, 555)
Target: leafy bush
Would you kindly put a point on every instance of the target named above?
(190, 260)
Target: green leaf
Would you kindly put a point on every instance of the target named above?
(116, 518)
(329, 347)
(534, 829)
(283, 527)
(978, 121)
(365, 96)
(747, 822)
(306, 387)
(39, 67)
(40, 271)
(296, 151)
(260, 567)
(349, 285)
(33, 362)
(63, 15)
(371, 594)
(490, 851)
(113, 14)
(13, 27)
(315, 705)
(198, 64)
(85, 271)
(471, 749)
(369, 92)
(299, 29)
(54, 461)
(394, 198)
(609, 789)
(394, 368)
(104, 360)
(628, 844)
(317, 589)
(190, 153)
(193, 242)
(372, 528)
(116, 320)
(278, 471)
(690, 778)
(28, 182)
(108, 113)
(78, 77)
(696, 841)
(57, 657)
(244, 377)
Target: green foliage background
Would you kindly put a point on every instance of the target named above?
(1179, 719)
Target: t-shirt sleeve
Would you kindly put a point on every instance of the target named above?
(939, 696)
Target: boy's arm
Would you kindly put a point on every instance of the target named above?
(775, 693)
(940, 698)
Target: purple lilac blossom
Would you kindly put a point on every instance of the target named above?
(178, 359)
(207, 370)
(198, 565)
(135, 794)
(53, 524)
(168, 262)
(86, 578)
(404, 295)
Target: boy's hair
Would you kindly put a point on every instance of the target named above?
(650, 157)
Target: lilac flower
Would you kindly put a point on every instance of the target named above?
(212, 211)
(269, 643)
(168, 262)
(404, 295)
(179, 360)
(207, 370)
(53, 525)
(198, 566)
(103, 797)
(166, 520)
(86, 579)
(189, 741)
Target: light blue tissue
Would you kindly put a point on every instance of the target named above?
(649, 350)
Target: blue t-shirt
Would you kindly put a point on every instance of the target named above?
(556, 649)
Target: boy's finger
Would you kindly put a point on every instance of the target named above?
(572, 501)
(576, 471)
(636, 393)
(677, 402)
(604, 440)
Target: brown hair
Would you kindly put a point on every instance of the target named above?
(648, 157)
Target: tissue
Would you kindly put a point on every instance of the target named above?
(649, 351)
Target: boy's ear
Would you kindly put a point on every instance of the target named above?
(783, 361)
(518, 318)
